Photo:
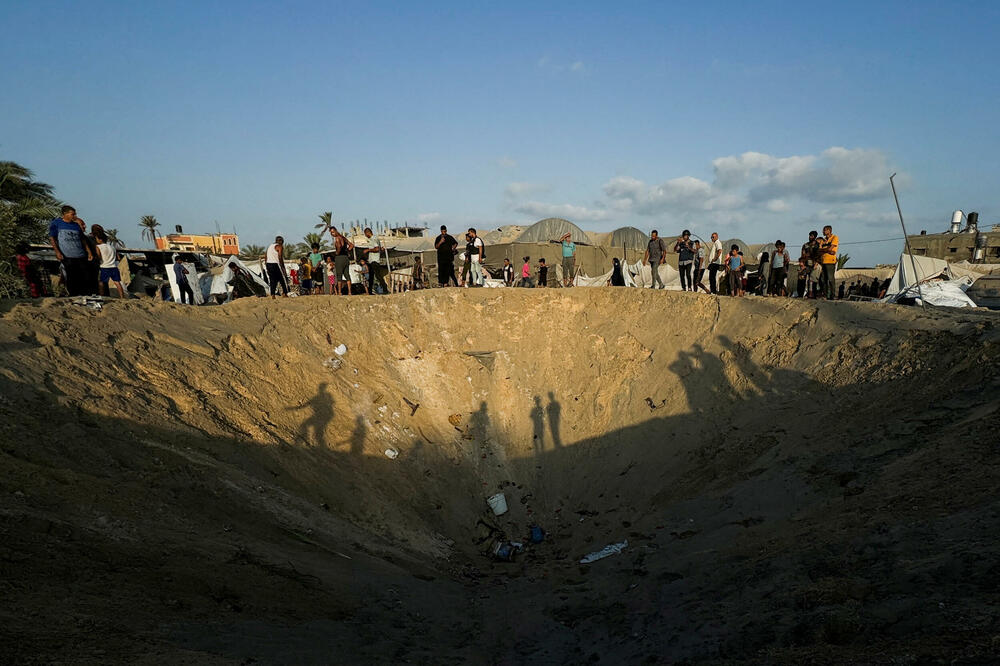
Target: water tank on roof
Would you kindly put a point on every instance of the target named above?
(973, 226)
(956, 222)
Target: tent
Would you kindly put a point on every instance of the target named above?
(552, 229)
(928, 280)
(927, 268)
(629, 237)
(602, 280)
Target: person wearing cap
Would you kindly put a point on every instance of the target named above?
(275, 265)
(685, 259)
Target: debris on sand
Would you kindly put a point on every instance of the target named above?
(607, 551)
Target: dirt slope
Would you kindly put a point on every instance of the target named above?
(796, 481)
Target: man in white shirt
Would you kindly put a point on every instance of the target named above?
(371, 250)
(476, 258)
(275, 264)
(716, 257)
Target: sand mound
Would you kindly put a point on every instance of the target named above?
(796, 482)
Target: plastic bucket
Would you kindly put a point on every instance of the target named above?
(498, 503)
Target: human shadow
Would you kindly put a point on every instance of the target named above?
(358, 436)
(554, 411)
(321, 406)
(704, 379)
(479, 422)
(537, 416)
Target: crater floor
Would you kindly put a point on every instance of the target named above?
(796, 482)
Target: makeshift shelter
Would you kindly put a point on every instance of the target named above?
(551, 229)
(629, 238)
(929, 280)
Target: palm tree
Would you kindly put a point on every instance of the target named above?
(842, 259)
(113, 238)
(317, 238)
(26, 206)
(149, 224)
(327, 220)
(252, 251)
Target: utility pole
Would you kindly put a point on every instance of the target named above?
(906, 242)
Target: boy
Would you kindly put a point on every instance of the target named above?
(109, 264)
(508, 273)
(779, 269)
(543, 273)
(734, 266)
(305, 276)
(28, 271)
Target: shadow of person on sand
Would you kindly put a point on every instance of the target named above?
(479, 423)
(358, 436)
(321, 405)
(554, 412)
(537, 416)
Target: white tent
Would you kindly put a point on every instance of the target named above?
(930, 280)
(602, 280)
(670, 276)
(927, 268)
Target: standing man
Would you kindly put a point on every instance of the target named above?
(373, 253)
(656, 254)
(477, 252)
(183, 285)
(316, 261)
(568, 258)
(810, 255)
(715, 262)
(685, 259)
(699, 267)
(445, 244)
(66, 238)
(828, 260)
(275, 263)
(342, 261)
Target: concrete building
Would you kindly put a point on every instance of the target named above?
(214, 243)
(968, 243)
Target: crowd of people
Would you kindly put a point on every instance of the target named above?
(89, 265)
(88, 261)
(817, 266)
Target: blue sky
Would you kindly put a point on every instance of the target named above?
(758, 120)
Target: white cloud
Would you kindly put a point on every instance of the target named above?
(550, 66)
(539, 210)
(523, 189)
(759, 180)
(428, 217)
(506, 162)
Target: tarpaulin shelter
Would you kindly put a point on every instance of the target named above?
(929, 280)
(550, 229)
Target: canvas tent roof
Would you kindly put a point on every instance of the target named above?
(629, 237)
(550, 229)
(744, 248)
(914, 270)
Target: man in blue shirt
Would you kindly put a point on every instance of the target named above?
(568, 258)
(66, 238)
